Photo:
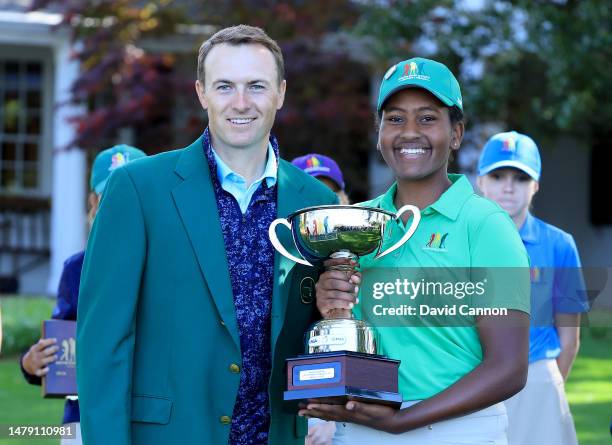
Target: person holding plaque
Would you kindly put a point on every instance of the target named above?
(186, 313)
(35, 362)
(509, 173)
(452, 378)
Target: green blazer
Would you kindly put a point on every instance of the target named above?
(157, 339)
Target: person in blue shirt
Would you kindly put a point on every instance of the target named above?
(509, 173)
(35, 362)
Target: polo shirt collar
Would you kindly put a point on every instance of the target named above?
(529, 231)
(448, 204)
(270, 174)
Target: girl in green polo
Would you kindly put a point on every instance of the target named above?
(452, 379)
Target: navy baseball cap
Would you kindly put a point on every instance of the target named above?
(320, 165)
(511, 149)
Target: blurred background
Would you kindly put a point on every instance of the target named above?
(77, 77)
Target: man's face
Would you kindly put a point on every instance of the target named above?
(511, 188)
(241, 95)
(416, 136)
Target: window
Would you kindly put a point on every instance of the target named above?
(21, 111)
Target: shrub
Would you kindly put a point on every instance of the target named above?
(21, 321)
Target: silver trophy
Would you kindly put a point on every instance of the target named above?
(341, 231)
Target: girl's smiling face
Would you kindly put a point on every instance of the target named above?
(416, 136)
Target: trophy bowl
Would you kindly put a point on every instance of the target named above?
(332, 231)
(320, 232)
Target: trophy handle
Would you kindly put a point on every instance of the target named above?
(278, 246)
(415, 223)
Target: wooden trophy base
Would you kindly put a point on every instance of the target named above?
(336, 377)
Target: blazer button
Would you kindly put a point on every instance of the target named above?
(222, 323)
(225, 420)
(234, 368)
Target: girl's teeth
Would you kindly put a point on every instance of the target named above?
(412, 151)
(241, 121)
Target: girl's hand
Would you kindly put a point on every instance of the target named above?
(379, 417)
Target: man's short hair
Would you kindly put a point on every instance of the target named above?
(241, 35)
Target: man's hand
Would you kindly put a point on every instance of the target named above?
(337, 289)
(38, 357)
(371, 415)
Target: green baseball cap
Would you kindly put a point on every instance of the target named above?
(107, 161)
(421, 73)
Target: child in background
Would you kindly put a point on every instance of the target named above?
(326, 170)
(509, 173)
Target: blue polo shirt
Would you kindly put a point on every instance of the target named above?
(556, 283)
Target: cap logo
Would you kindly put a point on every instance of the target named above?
(118, 160)
(509, 144)
(390, 72)
(412, 70)
(313, 162)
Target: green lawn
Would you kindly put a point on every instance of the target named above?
(22, 403)
(589, 390)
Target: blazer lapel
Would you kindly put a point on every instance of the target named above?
(197, 206)
(289, 190)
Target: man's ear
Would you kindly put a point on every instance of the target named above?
(281, 94)
(200, 92)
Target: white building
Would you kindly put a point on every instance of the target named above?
(42, 184)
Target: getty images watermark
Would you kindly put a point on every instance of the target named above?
(412, 290)
(458, 296)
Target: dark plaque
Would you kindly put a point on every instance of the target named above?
(337, 377)
(61, 378)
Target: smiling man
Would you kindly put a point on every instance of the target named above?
(186, 314)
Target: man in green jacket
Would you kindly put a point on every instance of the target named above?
(186, 314)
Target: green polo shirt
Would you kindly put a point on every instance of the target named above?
(459, 230)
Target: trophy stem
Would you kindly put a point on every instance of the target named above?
(348, 269)
(344, 253)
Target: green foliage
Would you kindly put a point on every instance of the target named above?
(544, 63)
(21, 322)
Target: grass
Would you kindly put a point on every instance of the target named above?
(589, 389)
(22, 403)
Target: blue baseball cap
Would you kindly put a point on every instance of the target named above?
(320, 165)
(108, 160)
(510, 149)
